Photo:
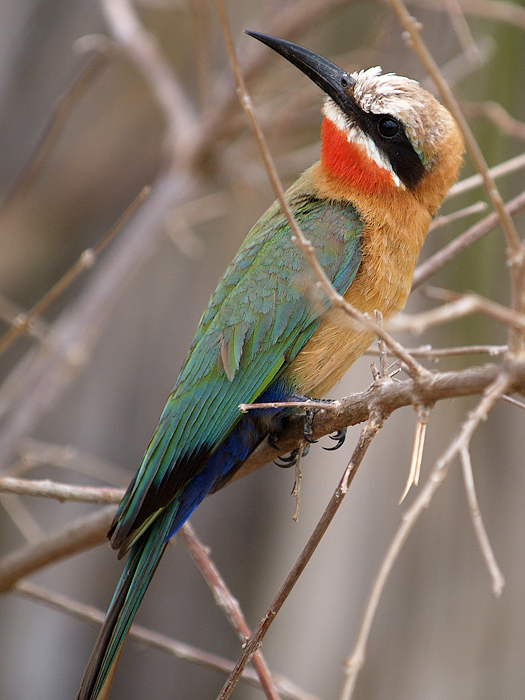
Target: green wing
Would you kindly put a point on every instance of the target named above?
(265, 309)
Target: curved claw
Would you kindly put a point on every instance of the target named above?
(291, 459)
(340, 437)
(287, 462)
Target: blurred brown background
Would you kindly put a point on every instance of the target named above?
(439, 632)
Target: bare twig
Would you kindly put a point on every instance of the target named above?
(61, 492)
(21, 517)
(461, 305)
(498, 580)
(423, 411)
(506, 168)
(514, 402)
(474, 233)
(182, 121)
(85, 262)
(367, 435)
(440, 221)
(493, 393)
(9, 312)
(496, 10)
(55, 127)
(462, 30)
(34, 453)
(296, 491)
(495, 112)
(437, 353)
(179, 650)
(227, 603)
(80, 535)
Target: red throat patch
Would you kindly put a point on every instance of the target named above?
(349, 163)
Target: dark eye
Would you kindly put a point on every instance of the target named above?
(387, 127)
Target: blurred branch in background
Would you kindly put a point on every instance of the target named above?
(136, 305)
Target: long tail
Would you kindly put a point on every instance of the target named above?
(140, 567)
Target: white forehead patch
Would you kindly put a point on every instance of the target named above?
(354, 135)
(385, 94)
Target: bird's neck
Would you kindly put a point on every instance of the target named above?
(349, 165)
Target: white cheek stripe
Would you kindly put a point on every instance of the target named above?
(354, 135)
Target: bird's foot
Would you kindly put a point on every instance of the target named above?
(291, 459)
(308, 427)
(340, 437)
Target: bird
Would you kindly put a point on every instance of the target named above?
(389, 153)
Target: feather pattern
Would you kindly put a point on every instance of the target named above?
(257, 321)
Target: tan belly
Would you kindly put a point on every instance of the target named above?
(382, 283)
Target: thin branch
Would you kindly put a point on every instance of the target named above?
(496, 113)
(254, 642)
(182, 121)
(496, 10)
(78, 536)
(457, 246)
(61, 492)
(514, 402)
(423, 412)
(461, 305)
(179, 650)
(440, 221)
(436, 354)
(35, 453)
(493, 393)
(21, 517)
(462, 30)
(508, 167)
(227, 603)
(498, 580)
(55, 127)
(85, 262)
(9, 312)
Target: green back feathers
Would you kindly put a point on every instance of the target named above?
(264, 310)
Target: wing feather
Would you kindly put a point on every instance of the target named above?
(260, 316)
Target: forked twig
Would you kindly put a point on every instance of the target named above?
(462, 242)
(227, 603)
(367, 435)
(179, 650)
(355, 662)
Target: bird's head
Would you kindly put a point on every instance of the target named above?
(381, 132)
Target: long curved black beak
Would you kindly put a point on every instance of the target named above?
(334, 81)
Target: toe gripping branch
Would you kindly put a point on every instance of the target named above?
(291, 459)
